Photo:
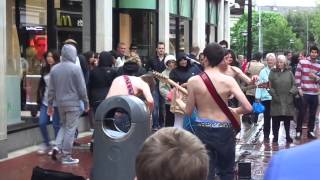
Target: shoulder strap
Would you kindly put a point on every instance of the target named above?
(220, 101)
(129, 85)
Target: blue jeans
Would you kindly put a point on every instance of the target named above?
(44, 121)
(220, 143)
(157, 113)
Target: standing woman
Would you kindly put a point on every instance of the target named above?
(180, 75)
(263, 95)
(51, 58)
(282, 90)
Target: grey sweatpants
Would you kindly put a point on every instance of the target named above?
(69, 120)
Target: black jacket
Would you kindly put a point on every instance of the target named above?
(101, 79)
(156, 64)
(182, 74)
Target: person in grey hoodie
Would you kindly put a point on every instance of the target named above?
(67, 87)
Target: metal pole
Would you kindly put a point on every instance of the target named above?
(260, 32)
(249, 41)
(307, 34)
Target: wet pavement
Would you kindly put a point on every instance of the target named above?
(250, 148)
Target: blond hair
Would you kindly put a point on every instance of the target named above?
(134, 58)
(270, 55)
(172, 154)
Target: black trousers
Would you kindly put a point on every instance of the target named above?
(311, 102)
(276, 125)
(267, 118)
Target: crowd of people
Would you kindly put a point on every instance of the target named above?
(77, 83)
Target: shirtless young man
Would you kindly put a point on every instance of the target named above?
(212, 125)
(234, 71)
(139, 86)
(130, 85)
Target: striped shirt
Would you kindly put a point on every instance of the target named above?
(303, 79)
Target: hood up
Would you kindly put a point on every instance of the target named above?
(69, 53)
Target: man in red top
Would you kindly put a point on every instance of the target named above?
(308, 84)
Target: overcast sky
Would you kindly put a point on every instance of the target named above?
(304, 3)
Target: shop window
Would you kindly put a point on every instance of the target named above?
(69, 21)
(172, 36)
(173, 7)
(138, 4)
(29, 42)
(139, 28)
(184, 40)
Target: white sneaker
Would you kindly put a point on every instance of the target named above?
(43, 149)
(69, 160)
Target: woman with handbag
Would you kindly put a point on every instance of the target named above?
(282, 88)
(166, 91)
(263, 95)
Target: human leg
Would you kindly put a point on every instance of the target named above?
(267, 119)
(286, 121)
(275, 127)
(43, 122)
(56, 121)
(155, 112)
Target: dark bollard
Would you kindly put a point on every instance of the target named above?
(117, 143)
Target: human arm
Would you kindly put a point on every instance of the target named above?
(147, 94)
(245, 106)
(294, 90)
(298, 76)
(51, 95)
(192, 83)
(241, 75)
(164, 89)
(81, 88)
(272, 90)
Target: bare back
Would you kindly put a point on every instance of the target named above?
(119, 87)
(200, 98)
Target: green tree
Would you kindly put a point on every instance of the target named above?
(277, 34)
(298, 20)
(315, 25)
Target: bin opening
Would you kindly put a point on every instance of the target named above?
(116, 123)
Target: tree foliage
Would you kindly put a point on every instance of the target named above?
(276, 34)
(300, 21)
(315, 25)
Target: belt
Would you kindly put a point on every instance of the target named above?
(213, 124)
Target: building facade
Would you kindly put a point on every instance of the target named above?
(28, 28)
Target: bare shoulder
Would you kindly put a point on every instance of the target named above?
(194, 81)
(236, 69)
(226, 80)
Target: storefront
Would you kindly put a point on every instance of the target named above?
(211, 21)
(135, 22)
(31, 27)
(181, 12)
(36, 26)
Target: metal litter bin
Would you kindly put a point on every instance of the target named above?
(115, 144)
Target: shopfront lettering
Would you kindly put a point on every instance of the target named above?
(70, 20)
(34, 28)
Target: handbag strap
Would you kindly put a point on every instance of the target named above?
(212, 90)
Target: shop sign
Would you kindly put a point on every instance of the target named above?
(34, 28)
(70, 20)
